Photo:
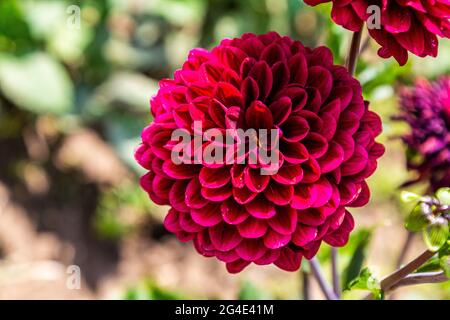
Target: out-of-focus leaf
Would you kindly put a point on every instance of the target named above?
(36, 83)
(436, 234)
(366, 281)
(360, 241)
(248, 291)
(407, 196)
(419, 217)
(443, 194)
(433, 264)
(148, 290)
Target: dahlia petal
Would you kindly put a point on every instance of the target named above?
(396, 20)
(340, 236)
(298, 68)
(273, 54)
(311, 217)
(177, 196)
(280, 74)
(332, 159)
(321, 79)
(187, 224)
(228, 95)
(289, 260)
(237, 175)
(269, 257)
(263, 73)
(180, 171)
(347, 142)
(217, 194)
(324, 191)
(289, 175)
(294, 152)
(171, 221)
(303, 235)
(224, 237)
(233, 213)
(295, 128)
(217, 113)
(316, 144)
(363, 197)
(311, 171)
(193, 196)
(243, 195)
(254, 180)
(252, 228)
(249, 90)
(237, 266)
(279, 194)
(281, 110)
(251, 249)
(285, 221)
(207, 216)
(228, 257)
(258, 116)
(260, 208)
(274, 240)
(356, 163)
(214, 178)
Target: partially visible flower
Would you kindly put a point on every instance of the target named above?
(426, 108)
(404, 25)
(327, 149)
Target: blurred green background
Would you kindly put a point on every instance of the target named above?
(74, 96)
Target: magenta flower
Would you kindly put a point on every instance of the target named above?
(426, 108)
(326, 151)
(404, 25)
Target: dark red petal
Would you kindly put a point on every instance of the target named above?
(232, 212)
(258, 116)
(251, 249)
(194, 198)
(289, 175)
(214, 177)
(289, 260)
(274, 240)
(237, 266)
(279, 194)
(254, 180)
(171, 221)
(207, 216)
(304, 235)
(252, 228)
(224, 237)
(284, 221)
(260, 208)
(281, 109)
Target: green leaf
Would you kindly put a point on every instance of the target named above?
(418, 219)
(436, 234)
(443, 194)
(36, 83)
(407, 196)
(367, 281)
(360, 241)
(433, 264)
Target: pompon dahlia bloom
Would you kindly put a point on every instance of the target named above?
(326, 151)
(426, 108)
(404, 25)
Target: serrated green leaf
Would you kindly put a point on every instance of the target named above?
(367, 281)
(443, 194)
(418, 219)
(436, 234)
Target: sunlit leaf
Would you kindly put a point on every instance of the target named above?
(443, 194)
(418, 219)
(436, 234)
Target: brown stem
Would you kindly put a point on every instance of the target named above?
(354, 52)
(392, 279)
(420, 278)
(317, 272)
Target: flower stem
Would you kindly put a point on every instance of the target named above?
(317, 272)
(354, 52)
(305, 285)
(335, 272)
(420, 278)
(394, 278)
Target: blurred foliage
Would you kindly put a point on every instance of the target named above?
(102, 75)
(148, 290)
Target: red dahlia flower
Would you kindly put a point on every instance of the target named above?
(326, 151)
(404, 25)
(426, 108)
